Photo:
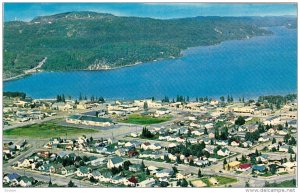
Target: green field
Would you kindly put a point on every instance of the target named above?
(221, 179)
(253, 120)
(145, 119)
(284, 184)
(46, 130)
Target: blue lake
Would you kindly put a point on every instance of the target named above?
(258, 66)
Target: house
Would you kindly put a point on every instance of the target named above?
(264, 158)
(68, 170)
(247, 144)
(172, 145)
(133, 180)
(282, 132)
(259, 168)
(222, 142)
(284, 148)
(223, 152)
(146, 183)
(115, 162)
(25, 163)
(290, 166)
(95, 174)
(271, 131)
(106, 177)
(244, 167)
(198, 132)
(242, 129)
(235, 143)
(10, 178)
(135, 144)
(234, 165)
(263, 139)
(97, 161)
(134, 135)
(82, 171)
(155, 146)
(25, 181)
(132, 153)
(213, 181)
(164, 173)
(193, 140)
(121, 152)
(201, 162)
(162, 111)
(135, 167)
(118, 180)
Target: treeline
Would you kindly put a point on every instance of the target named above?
(15, 94)
(277, 100)
(92, 98)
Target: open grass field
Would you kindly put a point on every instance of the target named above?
(46, 130)
(253, 120)
(221, 179)
(144, 119)
(284, 184)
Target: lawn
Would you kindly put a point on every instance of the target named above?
(46, 130)
(253, 120)
(225, 180)
(144, 119)
(284, 184)
(221, 179)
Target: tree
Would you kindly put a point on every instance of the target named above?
(199, 173)
(191, 163)
(50, 183)
(273, 140)
(145, 106)
(147, 171)
(205, 131)
(224, 163)
(240, 121)
(273, 169)
(222, 98)
(126, 165)
(247, 185)
(71, 184)
(290, 150)
(175, 170)
(292, 141)
(184, 183)
(291, 158)
(143, 166)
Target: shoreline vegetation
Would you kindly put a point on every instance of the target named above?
(95, 41)
(108, 68)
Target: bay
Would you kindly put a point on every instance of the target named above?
(242, 68)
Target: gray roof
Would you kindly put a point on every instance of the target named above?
(116, 160)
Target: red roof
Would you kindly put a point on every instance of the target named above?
(245, 166)
(133, 180)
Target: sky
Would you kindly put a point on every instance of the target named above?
(27, 11)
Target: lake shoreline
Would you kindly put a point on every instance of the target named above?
(181, 54)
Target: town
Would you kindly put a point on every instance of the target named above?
(180, 142)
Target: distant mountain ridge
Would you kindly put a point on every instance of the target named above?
(93, 41)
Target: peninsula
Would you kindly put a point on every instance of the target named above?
(97, 41)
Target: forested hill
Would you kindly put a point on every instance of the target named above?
(89, 40)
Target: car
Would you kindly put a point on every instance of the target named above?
(254, 176)
(220, 171)
(175, 164)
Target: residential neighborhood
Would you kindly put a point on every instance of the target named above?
(151, 143)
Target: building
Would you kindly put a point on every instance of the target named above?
(89, 120)
(115, 162)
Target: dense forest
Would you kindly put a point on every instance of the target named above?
(89, 40)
